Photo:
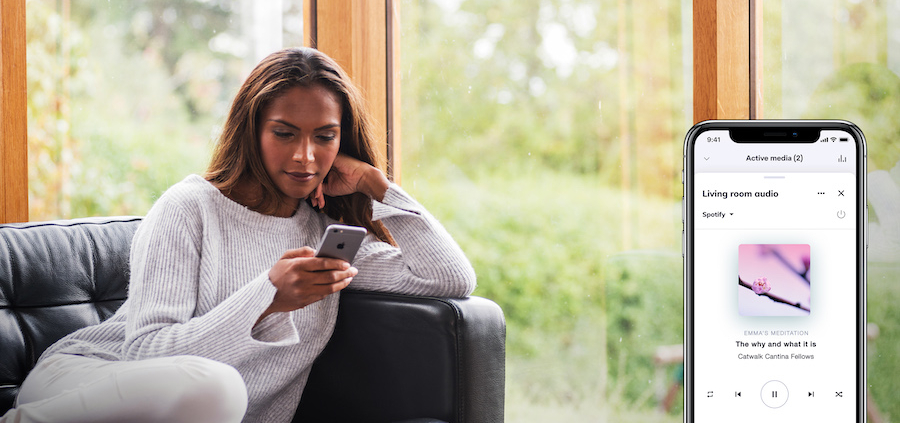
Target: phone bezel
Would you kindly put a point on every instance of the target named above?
(785, 127)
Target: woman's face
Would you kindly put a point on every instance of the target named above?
(300, 134)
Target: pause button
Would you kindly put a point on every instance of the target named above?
(774, 394)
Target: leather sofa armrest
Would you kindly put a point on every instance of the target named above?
(395, 357)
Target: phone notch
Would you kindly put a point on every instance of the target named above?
(762, 135)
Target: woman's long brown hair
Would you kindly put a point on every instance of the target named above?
(237, 157)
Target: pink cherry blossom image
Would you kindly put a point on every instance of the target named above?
(761, 286)
(774, 279)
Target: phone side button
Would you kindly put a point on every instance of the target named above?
(865, 222)
(682, 243)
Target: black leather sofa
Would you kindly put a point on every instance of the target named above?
(391, 357)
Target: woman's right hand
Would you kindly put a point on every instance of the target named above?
(302, 279)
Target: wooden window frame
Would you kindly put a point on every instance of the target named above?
(727, 59)
(363, 36)
(13, 114)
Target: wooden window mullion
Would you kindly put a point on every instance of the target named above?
(13, 114)
(362, 36)
(722, 59)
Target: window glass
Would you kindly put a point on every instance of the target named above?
(127, 98)
(840, 59)
(547, 136)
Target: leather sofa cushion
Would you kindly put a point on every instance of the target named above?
(55, 278)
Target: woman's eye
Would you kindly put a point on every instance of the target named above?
(327, 137)
(280, 134)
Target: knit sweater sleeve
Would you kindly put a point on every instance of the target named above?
(426, 261)
(164, 288)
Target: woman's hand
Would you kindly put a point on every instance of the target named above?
(302, 279)
(348, 176)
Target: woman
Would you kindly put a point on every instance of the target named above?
(228, 307)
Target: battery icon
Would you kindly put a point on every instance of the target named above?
(844, 139)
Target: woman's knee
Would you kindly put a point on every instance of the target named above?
(171, 389)
(213, 391)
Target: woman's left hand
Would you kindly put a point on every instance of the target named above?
(347, 176)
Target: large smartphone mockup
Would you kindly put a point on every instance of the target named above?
(774, 245)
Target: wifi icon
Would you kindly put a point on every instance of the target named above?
(833, 138)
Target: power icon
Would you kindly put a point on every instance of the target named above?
(841, 214)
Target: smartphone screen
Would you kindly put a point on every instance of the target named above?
(774, 271)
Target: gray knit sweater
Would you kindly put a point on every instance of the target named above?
(199, 282)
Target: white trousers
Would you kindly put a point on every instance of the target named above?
(75, 389)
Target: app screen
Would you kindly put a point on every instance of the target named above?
(774, 279)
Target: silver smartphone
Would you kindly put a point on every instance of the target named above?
(774, 271)
(341, 242)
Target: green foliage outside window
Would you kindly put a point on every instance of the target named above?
(123, 101)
